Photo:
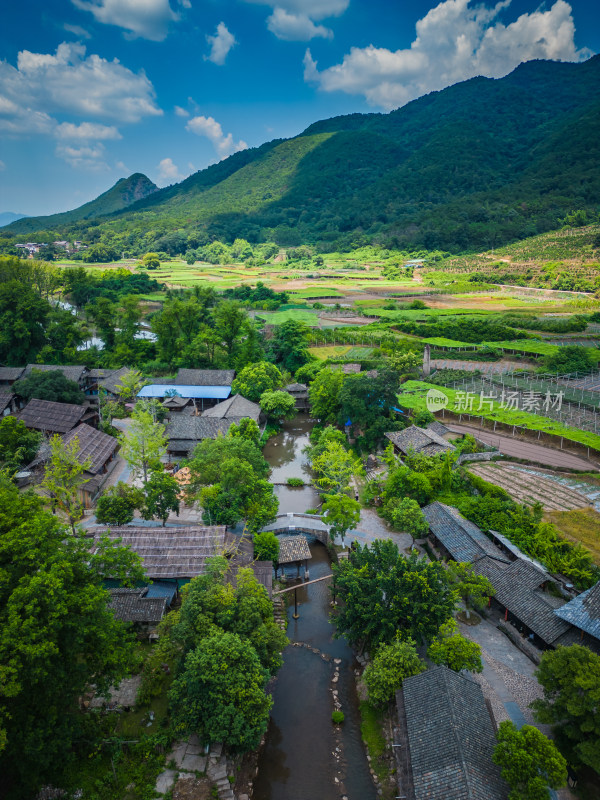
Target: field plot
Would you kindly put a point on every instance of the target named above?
(580, 525)
(335, 351)
(530, 489)
(359, 352)
(485, 367)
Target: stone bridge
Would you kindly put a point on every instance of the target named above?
(311, 525)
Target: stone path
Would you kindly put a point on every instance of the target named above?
(372, 527)
(190, 759)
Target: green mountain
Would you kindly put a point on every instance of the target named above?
(478, 164)
(125, 192)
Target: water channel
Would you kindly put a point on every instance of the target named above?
(303, 756)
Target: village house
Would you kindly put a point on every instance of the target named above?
(448, 739)
(8, 403)
(424, 441)
(299, 391)
(8, 375)
(100, 448)
(50, 417)
(72, 373)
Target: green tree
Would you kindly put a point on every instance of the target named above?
(230, 320)
(239, 494)
(570, 678)
(529, 762)
(220, 694)
(454, 650)
(385, 594)
(49, 385)
(162, 496)
(64, 478)
(289, 346)
(151, 261)
(572, 358)
(57, 637)
(208, 457)
(406, 516)
(144, 443)
(18, 445)
(403, 482)
(367, 402)
(474, 589)
(390, 665)
(266, 546)
(23, 315)
(129, 385)
(334, 468)
(324, 392)
(342, 513)
(246, 429)
(278, 405)
(117, 505)
(103, 313)
(257, 378)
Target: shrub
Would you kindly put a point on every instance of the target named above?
(337, 717)
(295, 482)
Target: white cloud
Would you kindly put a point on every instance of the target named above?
(77, 30)
(146, 19)
(315, 9)
(293, 20)
(86, 130)
(90, 157)
(209, 127)
(2, 166)
(220, 44)
(295, 27)
(455, 41)
(70, 82)
(181, 112)
(168, 171)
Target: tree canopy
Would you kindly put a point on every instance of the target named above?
(49, 385)
(529, 762)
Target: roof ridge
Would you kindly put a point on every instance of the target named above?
(461, 755)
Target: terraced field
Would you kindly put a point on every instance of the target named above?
(530, 489)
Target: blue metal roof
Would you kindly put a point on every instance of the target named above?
(194, 392)
(162, 589)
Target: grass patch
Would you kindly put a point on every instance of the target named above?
(332, 351)
(299, 315)
(580, 525)
(414, 398)
(371, 725)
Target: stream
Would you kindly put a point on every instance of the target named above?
(305, 756)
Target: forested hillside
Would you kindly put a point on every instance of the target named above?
(476, 165)
(125, 192)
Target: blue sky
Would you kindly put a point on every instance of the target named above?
(93, 90)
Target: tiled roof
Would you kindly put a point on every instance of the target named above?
(293, 548)
(205, 377)
(46, 415)
(133, 605)
(438, 427)
(171, 552)
(6, 399)
(11, 373)
(113, 379)
(176, 402)
(296, 388)
(234, 409)
(188, 430)
(584, 611)
(71, 373)
(421, 440)
(461, 538)
(93, 444)
(451, 738)
(517, 589)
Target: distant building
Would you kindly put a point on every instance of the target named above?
(8, 404)
(299, 391)
(8, 375)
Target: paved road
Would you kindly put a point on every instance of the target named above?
(517, 448)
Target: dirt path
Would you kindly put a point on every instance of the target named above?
(517, 448)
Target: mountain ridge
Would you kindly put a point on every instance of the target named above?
(481, 162)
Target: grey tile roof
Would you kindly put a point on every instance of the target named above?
(71, 373)
(584, 611)
(293, 548)
(517, 589)
(297, 388)
(11, 373)
(451, 738)
(461, 538)
(205, 377)
(438, 427)
(421, 440)
(188, 430)
(46, 415)
(93, 444)
(132, 605)
(171, 552)
(234, 408)
(6, 399)
(113, 379)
